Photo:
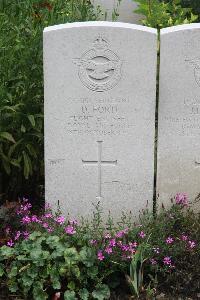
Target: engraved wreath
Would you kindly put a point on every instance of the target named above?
(100, 67)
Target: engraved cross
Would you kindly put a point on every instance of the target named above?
(99, 163)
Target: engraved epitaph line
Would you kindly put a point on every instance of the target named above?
(98, 163)
(197, 163)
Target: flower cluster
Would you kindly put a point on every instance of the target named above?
(119, 246)
(159, 255)
(181, 199)
(116, 244)
(47, 221)
(24, 208)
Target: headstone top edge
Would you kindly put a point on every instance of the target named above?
(100, 24)
(179, 28)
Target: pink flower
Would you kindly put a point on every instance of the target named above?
(100, 255)
(172, 266)
(156, 250)
(192, 244)
(45, 225)
(169, 240)
(24, 208)
(50, 229)
(112, 243)
(26, 234)
(142, 234)
(60, 220)
(10, 243)
(34, 219)
(125, 248)
(26, 220)
(108, 250)
(132, 251)
(153, 261)
(48, 216)
(18, 233)
(129, 257)
(121, 233)
(181, 199)
(167, 260)
(184, 237)
(47, 206)
(57, 296)
(7, 230)
(107, 236)
(134, 244)
(93, 242)
(70, 230)
(73, 222)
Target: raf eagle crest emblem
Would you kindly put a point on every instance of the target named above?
(99, 68)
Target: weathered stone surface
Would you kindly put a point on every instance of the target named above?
(100, 80)
(179, 113)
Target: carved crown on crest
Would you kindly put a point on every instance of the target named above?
(100, 43)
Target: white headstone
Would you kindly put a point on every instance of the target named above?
(179, 113)
(100, 80)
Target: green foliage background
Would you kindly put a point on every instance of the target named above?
(21, 86)
(194, 4)
(164, 13)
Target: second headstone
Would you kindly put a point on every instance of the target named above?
(179, 113)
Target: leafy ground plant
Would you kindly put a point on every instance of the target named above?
(49, 254)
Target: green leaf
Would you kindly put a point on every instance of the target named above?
(84, 294)
(70, 295)
(13, 147)
(33, 271)
(59, 251)
(12, 272)
(87, 256)
(51, 241)
(23, 128)
(38, 292)
(102, 292)
(76, 271)
(7, 136)
(39, 256)
(32, 120)
(12, 286)
(62, 271)
(6, 252)
(15, 163)
(31, 150)
(135, 270)
(33, 236)
(6, 166)
(71, 285)
(26, 165)
(92, 272)
(27, 280)
(55, 278)
(56, 284)
(71, 256)
(1, 270)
